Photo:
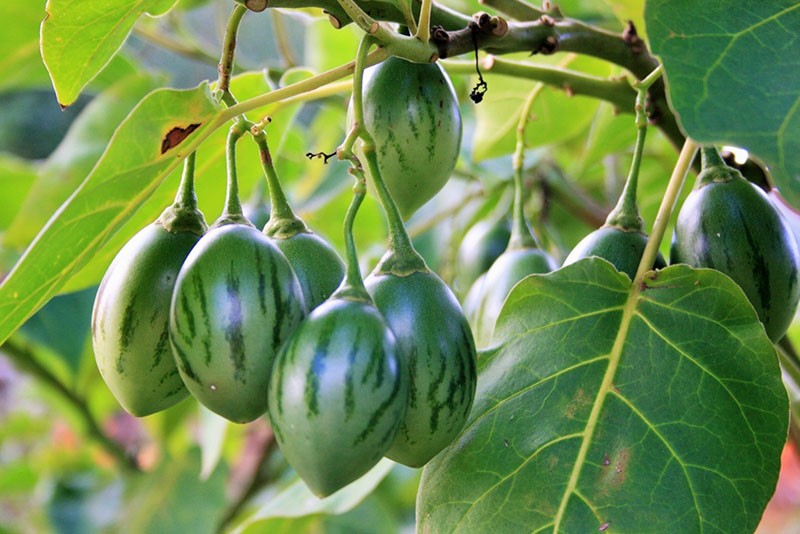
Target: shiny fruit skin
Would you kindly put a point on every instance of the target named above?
(511, 267)
(623, 249)
(436, 344)
(732, 227)
(482, 245)
(130, 321)
(337, 394)
(236, 301)
(318, 267)
(412, 113)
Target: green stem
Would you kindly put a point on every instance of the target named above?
(710, 157)
(283, 223)
(569, 36)
(521, 235)
(352, 287)
(407, 47)
(232, 213)
(186, 195)
(423, 32)
(615, 91)
(668, 203)
(401, 258)
(625, 215)
(183, 215)
(228, 51)
(25, 360)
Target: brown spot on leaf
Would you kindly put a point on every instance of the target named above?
(581, 400)
(176, 136)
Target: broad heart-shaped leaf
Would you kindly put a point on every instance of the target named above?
(732, 76)
(143, 150)
(602, 409)
(78, 38)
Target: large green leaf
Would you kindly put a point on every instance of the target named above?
(19, 45)
(79, 37)
(732, 76)
(75, 156)
(210, 176)
(16, 178)
(659, 411)
(144, 149)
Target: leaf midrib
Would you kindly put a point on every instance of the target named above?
(628, 312)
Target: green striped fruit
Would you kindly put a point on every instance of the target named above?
(731, 226)
(337, 394)
(622, 248)
(511, 267)
(236, 301)
(412, 113)
(482, 245)
(130, 319)
(437, 348)
(318, 267)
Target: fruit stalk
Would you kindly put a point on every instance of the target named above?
(283, 223)
(401, 257)
(228, 50)
(232, 213)
(625, 214)
(353, 285)
(183, 215)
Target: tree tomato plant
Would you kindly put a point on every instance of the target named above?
(607, 394)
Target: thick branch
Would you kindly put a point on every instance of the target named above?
(618, 92)
(455, 36)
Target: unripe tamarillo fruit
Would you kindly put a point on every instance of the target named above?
(236, 301)
(337, 394)
(436, 346)
(130, 320)
(412, 113)
(624, 249)
(728, 224)
(481, 246)
(492, 289)
(318, 267)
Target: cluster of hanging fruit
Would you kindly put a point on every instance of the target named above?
(252, 322)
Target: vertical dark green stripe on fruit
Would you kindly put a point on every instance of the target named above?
(316, 371)
(233, 329)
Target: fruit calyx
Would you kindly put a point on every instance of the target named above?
(714, 169)
(625, 220)
(401, 263)
(284, 228)
(283, 223)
